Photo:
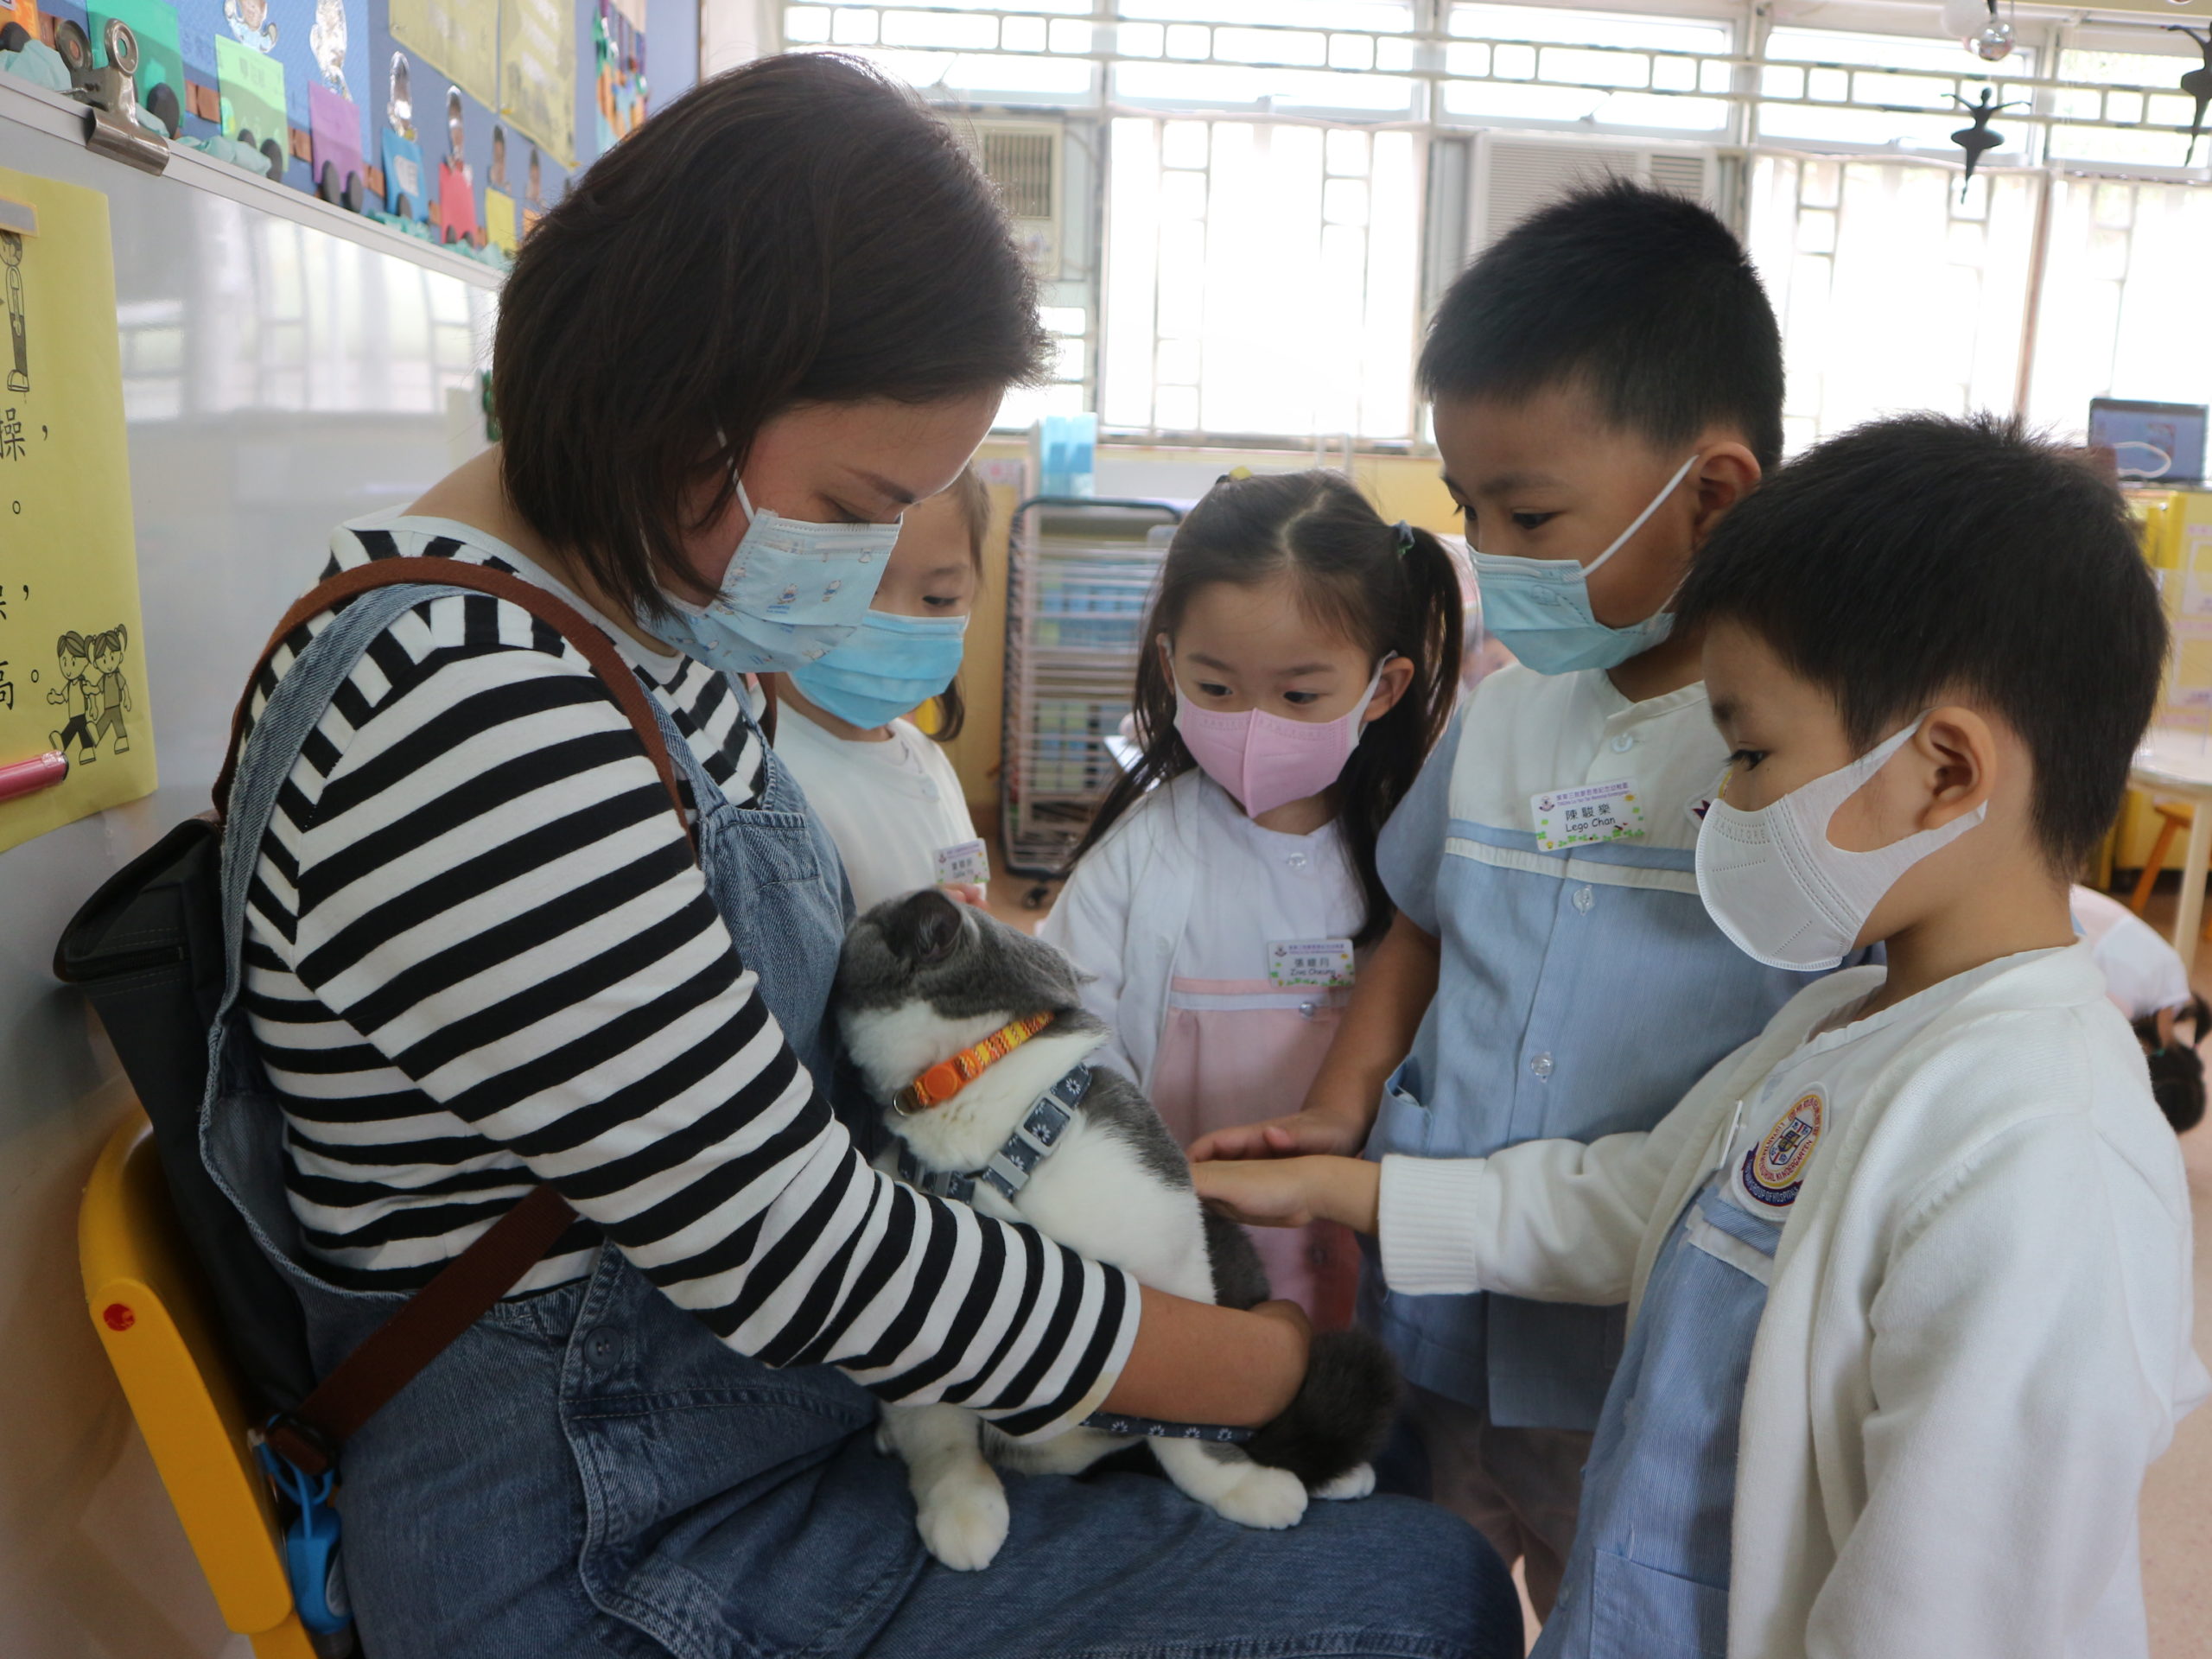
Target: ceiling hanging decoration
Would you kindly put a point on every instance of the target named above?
(1978, 140)
(2197, 83)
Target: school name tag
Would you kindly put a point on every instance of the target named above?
(1293, 962)
(963, 864)
(1587, 814)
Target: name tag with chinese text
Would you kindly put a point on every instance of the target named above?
(963, 864)
(1309, 961)
(1587, 814)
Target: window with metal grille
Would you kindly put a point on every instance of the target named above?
(1245, 286)
(1021, 165)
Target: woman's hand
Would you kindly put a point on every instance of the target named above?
(1315, 1130)
(966, 892)
(1291, 1191)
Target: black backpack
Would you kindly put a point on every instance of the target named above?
(146, 950)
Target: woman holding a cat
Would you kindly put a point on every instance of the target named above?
(480, 957)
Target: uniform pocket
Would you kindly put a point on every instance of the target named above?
(1402, 1124)
(1655, 1614)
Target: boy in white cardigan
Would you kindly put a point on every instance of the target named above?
(1909, 1272)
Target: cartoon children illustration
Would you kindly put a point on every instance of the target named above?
(326, 40)
(12, 256)
(77, 693)
(250, 25)
(456, 182)
(114, 689)
(399, 107)
(498, 177)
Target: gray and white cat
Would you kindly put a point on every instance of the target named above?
(924, 977)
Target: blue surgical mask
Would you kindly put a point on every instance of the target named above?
(794, 591)
(1539, 608)
(890, 666)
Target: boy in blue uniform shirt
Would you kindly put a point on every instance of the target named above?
(1607, 382)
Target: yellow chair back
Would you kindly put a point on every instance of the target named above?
(143, 1290)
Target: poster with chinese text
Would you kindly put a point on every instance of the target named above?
(73, 653)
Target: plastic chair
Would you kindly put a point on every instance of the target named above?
(142, 1288)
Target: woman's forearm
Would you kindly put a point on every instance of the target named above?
(1194, 1363)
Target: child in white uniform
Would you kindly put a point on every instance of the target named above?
(1910, 1274)
(1304, 656)
(885, 793)
(2146, 979)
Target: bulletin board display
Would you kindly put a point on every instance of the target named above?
(73, 652)
(2176, 529)
(464, 119)
(2178, 540)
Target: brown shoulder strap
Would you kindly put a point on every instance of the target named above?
(433, 1320)
(556, 612)
(769, 705)
(465, 1289)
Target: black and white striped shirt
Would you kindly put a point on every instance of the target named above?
(480, 957)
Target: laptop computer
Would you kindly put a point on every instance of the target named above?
(2164, 441)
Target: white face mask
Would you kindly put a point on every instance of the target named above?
(1789, 897)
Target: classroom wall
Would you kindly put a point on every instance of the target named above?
(277, 379)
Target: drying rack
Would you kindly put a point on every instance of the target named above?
(1079, 578)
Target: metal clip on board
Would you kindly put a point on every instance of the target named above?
(112, 128)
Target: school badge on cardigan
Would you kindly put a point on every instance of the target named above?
(1775, 1169)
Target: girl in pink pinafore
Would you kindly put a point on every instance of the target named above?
(1303, 655)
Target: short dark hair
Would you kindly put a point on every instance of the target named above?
(1925, 556)
(1640, 294)
(797, 231)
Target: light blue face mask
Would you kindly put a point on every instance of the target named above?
(890, 666)
(794, 591)
(1539, 608)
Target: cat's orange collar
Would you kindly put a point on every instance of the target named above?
(948, 1077)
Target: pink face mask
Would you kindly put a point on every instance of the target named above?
(1265, 760)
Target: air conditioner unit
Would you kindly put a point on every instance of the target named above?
(1026, 161)
(1512, 176)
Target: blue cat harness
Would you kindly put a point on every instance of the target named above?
(1009, 1171)
(1010, 1167)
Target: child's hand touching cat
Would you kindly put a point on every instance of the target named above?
(1313, 1130)
(1291, 1191)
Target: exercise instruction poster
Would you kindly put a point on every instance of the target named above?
(72, 654)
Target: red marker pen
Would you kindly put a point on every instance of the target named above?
(29, 776)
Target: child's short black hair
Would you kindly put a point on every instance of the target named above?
(2176, 1069)
(1924, 556)
(1642, 295)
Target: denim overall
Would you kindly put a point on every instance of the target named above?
(1648, 1578)
(589, 1471)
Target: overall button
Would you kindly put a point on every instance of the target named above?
(1584, 898)
(1306, 1010)
(1540, 1065)
(1625, 742)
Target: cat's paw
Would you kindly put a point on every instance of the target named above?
(963, 1523)
(1259, 1496)
(1355, 1481)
